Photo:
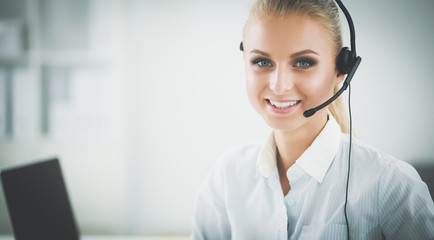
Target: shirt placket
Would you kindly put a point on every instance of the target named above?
(290, 200)
(281, 208)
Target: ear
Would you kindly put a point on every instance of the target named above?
(339, 77)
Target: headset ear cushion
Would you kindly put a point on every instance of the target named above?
(343, 61)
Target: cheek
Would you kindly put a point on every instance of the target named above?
(256, 86)
(319, 87)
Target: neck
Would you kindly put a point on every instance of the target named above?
(291, 144)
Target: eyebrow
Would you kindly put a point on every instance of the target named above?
(292, 55)
(303, 52)
(260, 52)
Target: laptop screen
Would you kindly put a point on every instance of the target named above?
(38, 202)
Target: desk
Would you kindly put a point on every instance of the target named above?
(96, 237)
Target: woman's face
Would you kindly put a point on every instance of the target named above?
(290, 68)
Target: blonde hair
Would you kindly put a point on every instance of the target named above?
(327, 14)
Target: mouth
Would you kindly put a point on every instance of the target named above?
(282, 106)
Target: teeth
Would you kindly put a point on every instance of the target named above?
(283, 104)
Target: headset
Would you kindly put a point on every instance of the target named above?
(347, 63)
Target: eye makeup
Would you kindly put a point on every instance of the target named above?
(262, 62)
(304, 63)
(299, 63)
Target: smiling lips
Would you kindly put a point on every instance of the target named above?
(282, 106)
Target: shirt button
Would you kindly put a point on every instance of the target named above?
(290, 202)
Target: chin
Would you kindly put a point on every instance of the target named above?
(283, 123)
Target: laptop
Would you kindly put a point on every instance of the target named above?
(38, 203)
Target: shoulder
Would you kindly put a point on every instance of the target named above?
(394, 188)
(362, 149)
(239, 157)
(365, 154)
(380, 171)
(234, 164)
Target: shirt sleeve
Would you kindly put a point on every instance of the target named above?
(210, 220)
(406, 210)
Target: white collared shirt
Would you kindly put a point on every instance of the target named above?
(242, 197)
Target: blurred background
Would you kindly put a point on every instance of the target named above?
(139, 98)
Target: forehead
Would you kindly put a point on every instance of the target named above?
(285, 35)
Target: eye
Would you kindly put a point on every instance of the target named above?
(262, 63)
(304, 63)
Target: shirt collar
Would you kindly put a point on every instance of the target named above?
(315, 161)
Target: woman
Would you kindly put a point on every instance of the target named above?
(294, 185)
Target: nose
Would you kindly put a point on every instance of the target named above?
(281, 81)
